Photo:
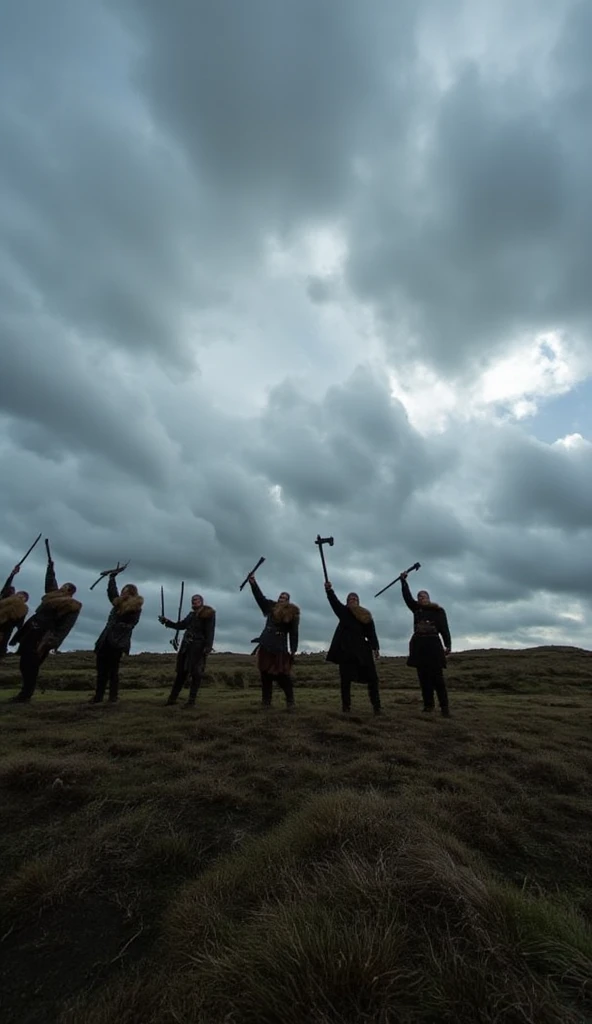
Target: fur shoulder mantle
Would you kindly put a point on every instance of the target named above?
(59, 603)
(361, 614)
(285, 613)
(125, 605)
(12, 609)
(206, 612)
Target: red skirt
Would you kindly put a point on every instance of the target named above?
(274, 663)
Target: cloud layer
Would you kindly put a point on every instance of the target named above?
(267, 271)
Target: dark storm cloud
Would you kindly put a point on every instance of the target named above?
(273, 100)
(492, 236)
(540, 485)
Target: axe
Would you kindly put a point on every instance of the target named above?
(320, 541)
(109, 572)
(175, 640)
(36, 541)
(162, 602)
(252, 573)
(49, 558)
(415, 566)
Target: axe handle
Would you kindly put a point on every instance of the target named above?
(252, 573)
(322, 554)
(49, 558)
(29, 551)
(162, 601)
(392, 583)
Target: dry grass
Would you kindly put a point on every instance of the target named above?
(231, 866)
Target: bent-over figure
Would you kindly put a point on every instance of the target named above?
(45, 631)
(354, 648)
(197, 643)
(116, 638)
(274, 657)
(13, 610)
(426, 653)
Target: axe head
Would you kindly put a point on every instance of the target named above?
(325, 540)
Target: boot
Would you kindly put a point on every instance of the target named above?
(445, 712)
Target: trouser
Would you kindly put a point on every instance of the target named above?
(346, 682)
(431, 679)
(29, 663)
(108, 659)
(190, 663)
(284, 681)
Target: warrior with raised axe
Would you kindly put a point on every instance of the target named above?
(274, 659)
(45, 630)
(13, 610)
(116, 638)
(197, 643)
(427, 653)
(354, 648)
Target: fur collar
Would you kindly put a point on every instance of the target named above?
(285, 613)
(361, 614)
(60, 603)
(430, 606)
(127, 604)
(205, 612)
(12, 609)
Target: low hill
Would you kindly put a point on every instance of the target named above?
(227, 865)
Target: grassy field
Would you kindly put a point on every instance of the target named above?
(227, 865)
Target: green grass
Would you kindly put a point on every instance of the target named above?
(231, 866)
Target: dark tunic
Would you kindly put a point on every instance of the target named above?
(117, 634)
(198, 638)
(274, 657)
(429, 624)
(51, 621)
(353, 642)
(6, 613)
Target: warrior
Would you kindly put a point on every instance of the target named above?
(46, 629)
(116, 638)
(13, 610)
(274, 660)
(426, 653)
(197, 643)
(354, 648)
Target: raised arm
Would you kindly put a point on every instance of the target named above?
(6, 589)
(334, 601)
(263, 602)
(112, 591)
(411, 603)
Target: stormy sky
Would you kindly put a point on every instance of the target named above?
(280, 268)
